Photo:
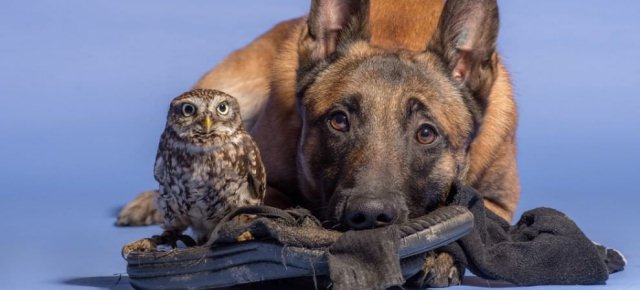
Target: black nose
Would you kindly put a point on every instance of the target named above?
(367, 213)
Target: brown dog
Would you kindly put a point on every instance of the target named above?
(368, 113)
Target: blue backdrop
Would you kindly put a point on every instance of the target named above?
(85, 85)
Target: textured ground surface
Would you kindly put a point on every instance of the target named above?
(84, 87)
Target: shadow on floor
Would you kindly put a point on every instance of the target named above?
(115, 282)
(479, 282)
(121, 282)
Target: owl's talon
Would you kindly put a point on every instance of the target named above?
(171, 238)
(187, 240)
(163, 240)
(245, 236)
(144, 245)
(167, 239)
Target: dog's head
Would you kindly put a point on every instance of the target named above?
(386, 132)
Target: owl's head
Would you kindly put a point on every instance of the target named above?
(202, 114)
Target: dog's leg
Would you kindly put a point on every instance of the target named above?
(492, 154)
(277, 199)
(439, 270)
(142, 211)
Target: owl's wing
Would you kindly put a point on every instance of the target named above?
(257, 177)
(158, 167)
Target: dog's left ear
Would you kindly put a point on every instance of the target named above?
(466, 40)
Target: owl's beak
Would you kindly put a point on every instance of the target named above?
(208, 123)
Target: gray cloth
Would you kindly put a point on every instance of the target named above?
(545, 247)
(364, 260)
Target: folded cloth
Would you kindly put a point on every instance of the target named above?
(363, 260)
(544, 247)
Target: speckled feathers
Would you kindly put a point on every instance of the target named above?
(207, 164)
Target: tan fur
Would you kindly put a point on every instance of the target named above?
(247, 72)
(407, 26)
(262, 76)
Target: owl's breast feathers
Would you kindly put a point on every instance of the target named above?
(210, 178)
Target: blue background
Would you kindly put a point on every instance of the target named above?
(85, 85)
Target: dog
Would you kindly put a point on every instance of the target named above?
(368, 112)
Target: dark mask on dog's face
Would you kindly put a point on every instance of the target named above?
(386, 133)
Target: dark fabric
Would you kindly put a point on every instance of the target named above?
(544, 247)
(364, 260)
(292, 227)
(357, 260)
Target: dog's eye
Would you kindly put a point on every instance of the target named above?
(426, 134)
(339, 121)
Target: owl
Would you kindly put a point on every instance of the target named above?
(206, 164)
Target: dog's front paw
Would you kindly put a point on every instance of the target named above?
(439, 270)
(142, 211)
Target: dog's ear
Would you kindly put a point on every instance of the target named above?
(332, 25)
(466, 40)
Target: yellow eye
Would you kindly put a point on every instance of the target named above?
(188, 109)
(223, 108)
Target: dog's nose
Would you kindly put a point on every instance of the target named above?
(368, 213)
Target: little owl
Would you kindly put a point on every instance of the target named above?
(207, 164)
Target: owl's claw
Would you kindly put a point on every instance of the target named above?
(144, 245)
(187, 240)
(171, 238)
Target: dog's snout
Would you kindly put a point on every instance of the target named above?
(368, 213)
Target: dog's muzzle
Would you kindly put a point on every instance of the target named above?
(367, 211)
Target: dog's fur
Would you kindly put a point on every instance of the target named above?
(266, 77)
(390, 67)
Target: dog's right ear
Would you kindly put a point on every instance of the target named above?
(331, 26)
(466, 40)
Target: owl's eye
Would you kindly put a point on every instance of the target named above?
(223, 108)
(188, 109)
